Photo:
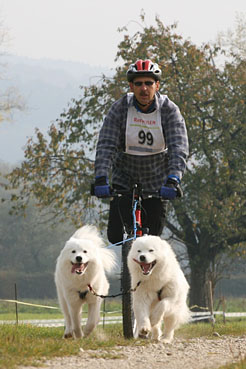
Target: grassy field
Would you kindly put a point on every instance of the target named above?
(232, 304)
(27, 345)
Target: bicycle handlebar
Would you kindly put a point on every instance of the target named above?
(120, 192)
(136, 191)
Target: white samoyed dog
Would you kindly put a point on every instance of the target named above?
(82, 264)
(163, 289)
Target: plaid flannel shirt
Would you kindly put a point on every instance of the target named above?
(149, 170)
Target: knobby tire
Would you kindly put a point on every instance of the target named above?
(126, 293)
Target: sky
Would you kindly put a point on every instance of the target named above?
(86, 30)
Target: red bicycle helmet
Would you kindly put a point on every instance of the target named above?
(143, 68)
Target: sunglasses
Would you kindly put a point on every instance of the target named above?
(146, 83)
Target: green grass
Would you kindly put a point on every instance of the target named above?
(29, 316)
(237, 304)
(233, 328)
(240, 365)
(27, 312)
(29, 345)
(10, 307)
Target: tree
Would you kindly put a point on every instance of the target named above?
(210, 219)
(234, 41)
(9, 97)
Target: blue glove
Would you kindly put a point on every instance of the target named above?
(172, 188)
(102, 188)
(168, 193)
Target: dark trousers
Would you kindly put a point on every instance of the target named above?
(120, 215)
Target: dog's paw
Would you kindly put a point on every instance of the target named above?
(156, 334)
(68, 335)
(156, 339)
(144, 333)
(167, 338)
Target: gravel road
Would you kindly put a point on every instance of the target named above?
(196, 353)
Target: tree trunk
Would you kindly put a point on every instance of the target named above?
(198, 290)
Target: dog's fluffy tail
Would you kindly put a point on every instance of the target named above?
(108, 259)
(185, 316)
(91, 232)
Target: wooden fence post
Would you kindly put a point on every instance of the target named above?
(224, 309)
(16, 305)
(211, 304)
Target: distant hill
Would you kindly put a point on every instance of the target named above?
(47, 87)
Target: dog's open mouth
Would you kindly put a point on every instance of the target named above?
(79, 268)
(146, 267)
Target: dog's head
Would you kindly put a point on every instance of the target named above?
(146, 252)
(78, 253)
(85, 251)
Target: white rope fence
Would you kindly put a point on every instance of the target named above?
(199, 315)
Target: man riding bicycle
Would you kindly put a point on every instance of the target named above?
(143, 140)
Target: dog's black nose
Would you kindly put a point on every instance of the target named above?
(142, 258)
(78, 259)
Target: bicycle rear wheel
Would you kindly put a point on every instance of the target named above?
(127, 312)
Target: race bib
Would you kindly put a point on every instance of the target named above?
(144, 135)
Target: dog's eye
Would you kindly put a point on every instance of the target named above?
(151, 250)
(139, 250)
(85, 251)
(73, 252)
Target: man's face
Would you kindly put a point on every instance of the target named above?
(146, 91)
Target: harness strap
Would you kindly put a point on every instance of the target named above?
(159, 294)
(109, 296)
(83, 294)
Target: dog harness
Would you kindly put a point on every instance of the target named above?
(159, 294)
(83, 294)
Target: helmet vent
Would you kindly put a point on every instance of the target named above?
(142, 68)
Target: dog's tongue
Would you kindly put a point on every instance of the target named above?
(77, 268)
(146, 267)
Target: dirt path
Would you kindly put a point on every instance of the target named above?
(196, 353)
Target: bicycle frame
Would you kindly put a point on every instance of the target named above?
(136, 210)
(137, 221)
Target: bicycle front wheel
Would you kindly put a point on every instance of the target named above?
(127, 312)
